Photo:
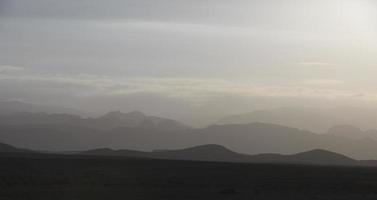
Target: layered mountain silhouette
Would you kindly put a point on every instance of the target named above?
(208, 152)
(221, 154)
(118, 119)
(313, 119)
(293, 117)
(108, 121)
(145, 135)
(43, 131)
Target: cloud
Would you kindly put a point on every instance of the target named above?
(9, 68)
(193, 90)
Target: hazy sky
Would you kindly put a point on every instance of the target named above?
(173, 57)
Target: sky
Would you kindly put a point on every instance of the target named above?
(188, 59)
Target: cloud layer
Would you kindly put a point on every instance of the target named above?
(216, 56)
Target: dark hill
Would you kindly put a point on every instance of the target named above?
(111, 152)
(200, 153)
(5, 148)
(209, 152)
(220, 153)
(320, 156)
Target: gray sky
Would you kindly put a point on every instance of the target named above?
(182, 58)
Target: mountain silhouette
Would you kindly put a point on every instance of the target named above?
(321, 156)
(309, 118)
(221, 154)
(118, 119)
(210, 153)
(111, 152)
(5, 148)
(294, 117)
(255, 138)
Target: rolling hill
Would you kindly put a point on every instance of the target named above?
(221, 154)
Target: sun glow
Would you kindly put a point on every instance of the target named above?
(357, 15)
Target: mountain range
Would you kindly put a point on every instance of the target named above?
(209, 153)
(135, 130)
(254, 138)
(108, 121)
(221, 154)
(308, 118)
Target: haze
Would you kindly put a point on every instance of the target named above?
(190, 60)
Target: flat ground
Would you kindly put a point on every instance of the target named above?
(79, 178)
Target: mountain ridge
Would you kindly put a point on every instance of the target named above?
(218, 153)
(252, 138)
(108, 121)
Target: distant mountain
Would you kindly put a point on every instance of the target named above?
(5, 148)
(213, 153)
(209, 152)
(307, 118)
(71, 132)
(320, 156)
(12, 107)
(106, 122)
(293, 117)
(110, 152)
(222, 154)
(51, 137)
(316, 156)
(255, 138)
(118, 119)
(258, 138)
(352, 132)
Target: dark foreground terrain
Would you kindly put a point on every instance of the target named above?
(60, 177)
